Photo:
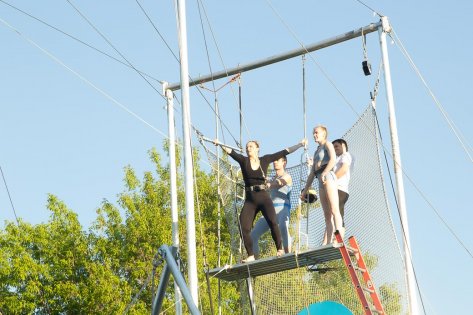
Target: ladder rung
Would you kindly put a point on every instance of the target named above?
(351, 250)
(368, 290)
(359, 269)
(374, 310)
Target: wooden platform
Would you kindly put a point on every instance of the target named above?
(269, 265)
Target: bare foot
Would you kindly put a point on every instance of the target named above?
(280, 252)
(249, 259)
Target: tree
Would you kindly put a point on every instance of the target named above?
(57, 267)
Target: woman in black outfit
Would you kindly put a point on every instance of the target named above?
(257, 197)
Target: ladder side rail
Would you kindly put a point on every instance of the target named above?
(353, 275)
(366, 276)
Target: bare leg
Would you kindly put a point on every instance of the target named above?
(332, 199)
(327, 215)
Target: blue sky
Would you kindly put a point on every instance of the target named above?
(60, 135)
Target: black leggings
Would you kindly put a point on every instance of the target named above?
(254, 202)
(342, 199)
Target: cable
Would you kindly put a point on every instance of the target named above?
(77, 39)
(137, 295)
(436, 101)
(9, 196)
(177, 59)
(371, 9)
(203, 246)
(57, 60)
(157, 31)
(111, 45)
(349, 104)
(221, 61)
(331, 81)
(57, 29)
(403, 228)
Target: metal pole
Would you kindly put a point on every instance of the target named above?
(173, 179)
(411, 285)
(188, 161)
(304, 106)
(163, 283)
(373, 27)
(219, 214)
(171, 266)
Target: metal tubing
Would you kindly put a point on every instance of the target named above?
(173, 179)
(411, 286)
(188, 159)
(163, 283)
(373, 27)
(222, 144)
(171, 264)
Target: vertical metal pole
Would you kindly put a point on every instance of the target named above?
(304, 105)
(411, 285)
(188, 161)
(173, 179)
(241, 113)
(304, 98)
(219, 214)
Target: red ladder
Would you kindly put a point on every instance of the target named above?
(359, 265)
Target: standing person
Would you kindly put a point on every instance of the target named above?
(343, 168)
(254, 169)
(323, 163)
(280, 187)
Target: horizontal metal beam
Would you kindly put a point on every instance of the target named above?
(373, 27)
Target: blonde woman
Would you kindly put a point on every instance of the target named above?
(323, 162)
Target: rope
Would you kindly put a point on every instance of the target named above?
(77, 40)
(157, 31)
(215, 90)
(371, 9)
(399, 212)
(9, 196)
(466, 147)
(111, 45)
(220, 56)
(156, 263)
(108, 96)
(203, 246)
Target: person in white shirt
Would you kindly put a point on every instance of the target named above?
(343, 168)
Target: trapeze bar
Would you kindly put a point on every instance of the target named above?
(201, 136)
(269, 265)
(373, 27)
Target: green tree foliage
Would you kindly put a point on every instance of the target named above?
(331, 283)
(58, 267)
(49, 268)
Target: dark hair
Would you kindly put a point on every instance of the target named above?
(342, 142)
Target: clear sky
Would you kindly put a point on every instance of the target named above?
(63, 129)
